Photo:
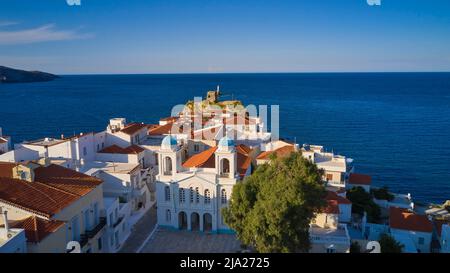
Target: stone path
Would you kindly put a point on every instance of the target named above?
(140, 232)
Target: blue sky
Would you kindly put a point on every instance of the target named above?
(212, 36)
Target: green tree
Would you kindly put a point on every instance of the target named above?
(389, 245)
(355, 247)
(362, 202)
(382, 194)
(271, 210)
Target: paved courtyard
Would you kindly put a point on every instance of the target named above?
(167, 241)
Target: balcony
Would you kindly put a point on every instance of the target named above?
(91, 233)
(337, 235)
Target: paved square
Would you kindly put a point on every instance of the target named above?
(167, 241)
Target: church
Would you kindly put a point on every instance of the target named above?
(193, 188)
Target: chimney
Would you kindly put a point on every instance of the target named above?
(4, 233)
(62, 136)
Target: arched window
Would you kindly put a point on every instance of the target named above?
(168, 166)
(197, 195)
(207, 197)
(223, 196)
(191, 195)
(225, 168)
(168, 216)
(181, 196)
(167, 193)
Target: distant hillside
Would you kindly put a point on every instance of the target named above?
(10, 75)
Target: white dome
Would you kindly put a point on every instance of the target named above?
(169, 142)
(226, 144)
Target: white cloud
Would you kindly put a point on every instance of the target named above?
(44, 33)
(7, 23)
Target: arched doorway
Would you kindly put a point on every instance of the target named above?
(207, 222)
(195, 221)
(182, 220)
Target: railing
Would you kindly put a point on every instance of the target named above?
(118, 221)
(83, 239)
(91, 233)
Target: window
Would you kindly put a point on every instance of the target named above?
(223, 196)
(207, 197)
(421, 240)
(191, 195)
(99, 243)
(98, 147)
(196, 148)
(96, 218)
(75, 228)
(84, 151)
(23, 175)
(181, 195)
(224, 167)
(197, 195)
(87, 222)
(329, 176)
(167, 193)
(136, 139)
(168, 166)
(111, 219)
(103, 145)
(331, 250)
(168, 216)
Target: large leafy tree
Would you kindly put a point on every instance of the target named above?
(271, 210)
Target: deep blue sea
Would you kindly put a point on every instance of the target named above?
(396, 126)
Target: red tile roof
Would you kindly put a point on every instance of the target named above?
(66, 179)
(331, 195)
(280, 152)
(404, 219)
(133, 128)
(35, 197)
(242, 148)
(206, 134)
(239, 120)
(360, 179)
(201, 160)
(6, 169)
(169, 119)
(332, 207)
(114, 149)
(161, 129)
(243, 159)
(206, 159)
(37, 229)
(54, 188)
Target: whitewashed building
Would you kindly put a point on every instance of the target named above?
(5, 142)
(412, 230)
